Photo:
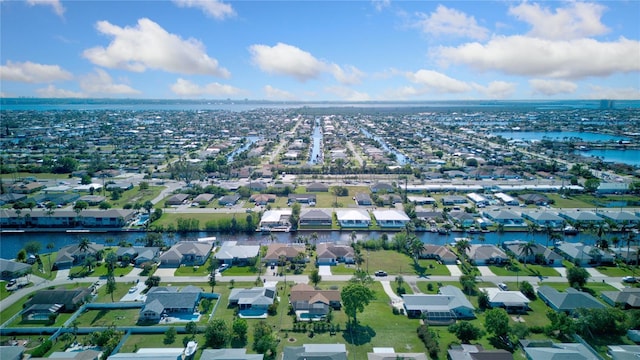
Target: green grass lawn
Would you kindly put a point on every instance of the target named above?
(241, 271)
(117, 317)
(194, 270)
(594, 288)
(117, 272)
(121, 290)
(569, 202)
(136, 195)
(618, 271)
(522, 270)
(396, 263)
(172, 219)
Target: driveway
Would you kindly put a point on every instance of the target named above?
(165, 272)
(396, 301)
(454, 270)
(324, 270)
(485, 271)
(593, 272)
(135, 293)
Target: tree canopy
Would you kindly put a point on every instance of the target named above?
(354, 298)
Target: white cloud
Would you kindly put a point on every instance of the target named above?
(214, 8)
(54, 92)
(148, 45)
(349, 75)
(578, 19)
(99, 82)
(379, 5)
(277, 94)
(284, 59)
(552, 87)
(184, 87)
(600, 92)
(438, 82)
(447, 21)
(30, 72)
(56, 5)
(347, 94)
(288, 60)
(497, 89)
(523, 55)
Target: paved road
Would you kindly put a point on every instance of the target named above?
(40, 283)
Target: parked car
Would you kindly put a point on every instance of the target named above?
(629, 279)
(381, 273)
(223, 267)
(503, 287)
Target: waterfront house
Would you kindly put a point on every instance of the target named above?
(332, 254)
(486, 254)
(112, 218)
(287, 252)
(12, 269)
(584, 255)
(391, 218)
(275, 218)
(462, 218)
(625, 218)
(583, 217)
(315, 217)
(505, 217)
(189, 253)
(71, 255)
(539, 253)
(233, 254)
(440, 253)
(354, 218)
(543, 219)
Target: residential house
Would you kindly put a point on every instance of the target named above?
(275, 219)
(547, 350)
(583, 217)
(462, 218)
(431, 216)
(11, 352)
(390, 199)
(539, 253)
(288, 252)
(391, 354)
(391, 218)
(315, 217)
(229, 354)
(51, 302)
(363, 199)
(12, 269)
(620, 217)
(229, 200)
(112, 218)
(138, 255)
(72, 355)
(11, 198)
(511, 301)
(382, 188)
(544, 219)
(71, 255)
(353, 218)
(92, 200)
(317, 187)
(203, 199)
(569, 300)
(534, 199)
(612, 188)
(486, 254)
(256, 299)
(451, 200)
(302, 199)
(315, 352)
(444, 308)
(584, 255)
(506, 199)
(26, 188)
(305, 299)
(440, 253)
(505, 217)
(190, 253)
(623, 352)
(262, 199)
(168, 300)
(177, 199)
(476, 352)
(332, 254)
(233, 254)
(629, 298)
(258, 186)
(421, 200)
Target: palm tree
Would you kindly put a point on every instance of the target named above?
(84, 244)
(462, 247)
(527, 249)
(531, 228)
(353, 237)
(314, 238)
(416, 247)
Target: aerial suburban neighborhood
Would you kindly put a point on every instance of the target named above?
(320, 232)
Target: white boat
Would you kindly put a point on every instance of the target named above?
(191, 348)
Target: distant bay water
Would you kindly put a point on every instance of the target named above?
(40, 104)
(558, 135)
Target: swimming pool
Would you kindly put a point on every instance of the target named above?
(142, 220)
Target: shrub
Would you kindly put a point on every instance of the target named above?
(42, 349)
(429, 339)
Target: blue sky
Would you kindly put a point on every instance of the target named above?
(320, 50)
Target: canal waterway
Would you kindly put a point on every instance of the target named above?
(558, 135)
(11, 243)
(250, 140)
(629, 157)
(400, 157)
(316, 150)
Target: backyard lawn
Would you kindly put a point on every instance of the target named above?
(202, 270)
(522, 270)
(117, 317)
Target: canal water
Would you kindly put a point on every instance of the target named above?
(316, 150)
(629, 157)
(400, 157)
(558, 135)
(250, 141)
(11, 243)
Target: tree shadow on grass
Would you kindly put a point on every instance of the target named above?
(419, 269)
(99, 316)
(358, 334)
(501, 343)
